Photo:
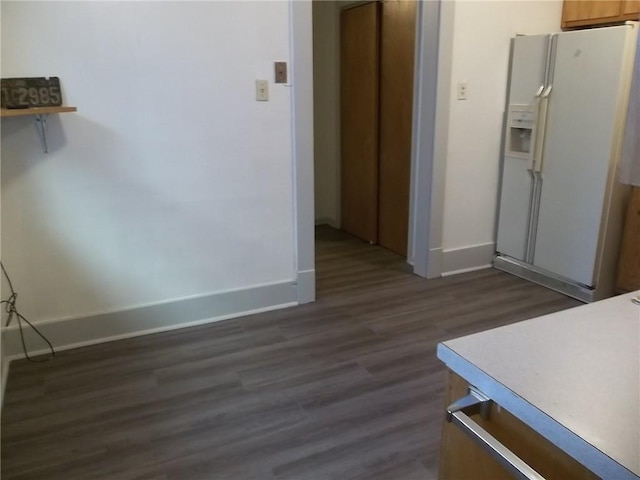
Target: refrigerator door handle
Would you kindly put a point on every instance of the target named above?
(543, 104)
(540, 90)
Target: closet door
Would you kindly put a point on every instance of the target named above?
(396, 114)
(359, 73)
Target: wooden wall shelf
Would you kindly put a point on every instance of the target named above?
(21, 112)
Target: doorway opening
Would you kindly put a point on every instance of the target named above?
(363, 67)
(319, 106)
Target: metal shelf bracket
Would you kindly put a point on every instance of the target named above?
(41, 127)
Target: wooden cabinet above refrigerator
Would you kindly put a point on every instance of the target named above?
(587, 13)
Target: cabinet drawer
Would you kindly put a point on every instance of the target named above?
(463, 458)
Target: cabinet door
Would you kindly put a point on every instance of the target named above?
(359, 120)
(629, 261)
(630, 7)
(590, 12)
(396, 109)
(462, 458)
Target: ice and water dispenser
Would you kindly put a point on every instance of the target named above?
(520, 131)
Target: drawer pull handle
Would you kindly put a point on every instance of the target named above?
(475, 403)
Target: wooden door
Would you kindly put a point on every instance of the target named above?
(396, 109)
(359, 74)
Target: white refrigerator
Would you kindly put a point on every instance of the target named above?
(561, 206)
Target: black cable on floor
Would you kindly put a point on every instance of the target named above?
(11, 309)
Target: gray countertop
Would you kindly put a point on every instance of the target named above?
(573, 376)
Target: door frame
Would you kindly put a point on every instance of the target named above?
(432, 99)
(432, 88)
(301, 58)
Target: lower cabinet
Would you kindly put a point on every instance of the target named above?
(463, 458)
(629, 261)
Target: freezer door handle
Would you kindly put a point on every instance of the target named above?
(540, 90)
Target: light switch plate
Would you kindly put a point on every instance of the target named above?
(262, 90)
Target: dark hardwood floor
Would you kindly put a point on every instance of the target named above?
(346, 388)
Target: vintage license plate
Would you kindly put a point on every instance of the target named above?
(30, 92)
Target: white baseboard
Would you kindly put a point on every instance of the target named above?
(327, 221)
(467, 259)
(434, 268)
(5, 375)
(466, 270)
(76, 332)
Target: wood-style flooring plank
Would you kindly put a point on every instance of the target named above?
(348, 387)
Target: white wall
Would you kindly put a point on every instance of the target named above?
(171, 181)
(481, 43)
(326, 81)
